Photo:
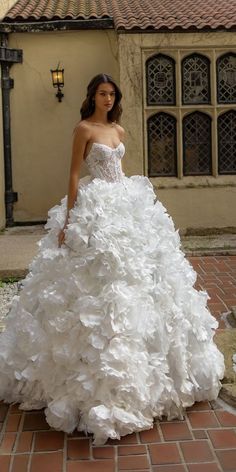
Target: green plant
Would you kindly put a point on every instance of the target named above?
(8, 280)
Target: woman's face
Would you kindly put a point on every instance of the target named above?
(105, 97)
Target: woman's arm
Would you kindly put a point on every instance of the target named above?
(81, 138)
(121, 134)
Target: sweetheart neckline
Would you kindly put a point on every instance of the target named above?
(101, 144)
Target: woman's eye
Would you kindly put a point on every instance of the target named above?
(103, 94)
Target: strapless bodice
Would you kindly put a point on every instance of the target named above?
(104, 162)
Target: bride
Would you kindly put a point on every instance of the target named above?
(100, 113)
(108, 331)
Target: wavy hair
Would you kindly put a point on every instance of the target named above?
(88, 105)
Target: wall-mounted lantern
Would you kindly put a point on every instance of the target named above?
(58, 81)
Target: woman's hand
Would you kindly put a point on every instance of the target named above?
(61, 236)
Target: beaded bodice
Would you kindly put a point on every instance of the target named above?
(104, 162)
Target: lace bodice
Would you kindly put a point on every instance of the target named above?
(104, 162)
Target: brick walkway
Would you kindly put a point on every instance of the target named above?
(204, 442)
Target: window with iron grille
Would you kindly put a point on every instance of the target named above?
(196, 79)
(227, 143)
(197, 144)
(162, 154)
(226, 78)
(190, 106)
(160, 79)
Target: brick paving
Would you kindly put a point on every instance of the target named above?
(205, 441)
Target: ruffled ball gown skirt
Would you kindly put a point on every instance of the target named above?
(108, 331)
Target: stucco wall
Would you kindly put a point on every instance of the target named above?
(193, 202)
(5, 5)
(200, 208)
(42, 127)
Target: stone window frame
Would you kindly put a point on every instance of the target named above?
(219, 99)
(206, 126)
(226, 142)
(173, 172)
(180, 110)
(207, 64)
(172, 63)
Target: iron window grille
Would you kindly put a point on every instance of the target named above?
(197, 144)
(226, 78)
(196, 79)
(162, 150)
(227, 143)
(160, 80)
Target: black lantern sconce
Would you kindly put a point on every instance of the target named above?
(58, 81)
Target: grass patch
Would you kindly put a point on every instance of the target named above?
(8, 280)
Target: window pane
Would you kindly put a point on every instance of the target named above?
(162, 159)
(160, 77)
(197, 144)
(226, 78)
(196, 79)
(227, 142)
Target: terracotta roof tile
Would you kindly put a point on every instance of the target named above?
(58, 9)
(131, 14)
(169, 14)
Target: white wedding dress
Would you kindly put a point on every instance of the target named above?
(107, 331)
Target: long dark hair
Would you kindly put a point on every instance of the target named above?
(88, 106)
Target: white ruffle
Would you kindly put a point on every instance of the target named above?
(108, 331)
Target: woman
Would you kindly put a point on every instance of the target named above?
(100, 112)
(108, 332)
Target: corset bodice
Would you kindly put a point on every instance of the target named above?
(104, 162)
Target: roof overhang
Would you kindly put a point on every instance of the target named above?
(97, 24)
(56, 25)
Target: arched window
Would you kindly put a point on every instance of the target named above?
(196, 79)
(197, 144)
(226, 78)
(160, 79)
(227, 143)
(162, 155)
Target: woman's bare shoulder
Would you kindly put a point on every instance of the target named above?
(120, 131)
(82, 129)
